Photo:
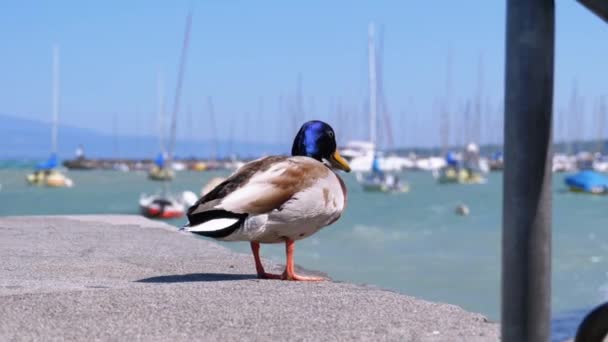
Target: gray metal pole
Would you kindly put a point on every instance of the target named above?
(526, 258)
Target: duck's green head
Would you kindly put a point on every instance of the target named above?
(317, 140)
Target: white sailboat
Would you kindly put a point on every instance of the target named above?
(160, 171)
(166, 205)
(361, 154)
(47, 173)
(379, 177)
(467, 167)
(463, 168)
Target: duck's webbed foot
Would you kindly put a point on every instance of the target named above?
(255, 248)
(289, 273)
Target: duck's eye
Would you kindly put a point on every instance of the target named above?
(331, 134)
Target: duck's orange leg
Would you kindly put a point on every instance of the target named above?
(255, 248)
(290, 273)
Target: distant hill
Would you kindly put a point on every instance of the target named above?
(25, 138)
(30, 139)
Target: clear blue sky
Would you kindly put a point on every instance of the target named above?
(246, 52)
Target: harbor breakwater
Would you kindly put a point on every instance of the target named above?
(122, 277)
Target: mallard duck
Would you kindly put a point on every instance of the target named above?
(277, 199)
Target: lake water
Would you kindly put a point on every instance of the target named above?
(412, 243)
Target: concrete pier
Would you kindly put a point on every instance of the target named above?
(125, 278)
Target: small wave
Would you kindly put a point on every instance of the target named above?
(377, 234)
(438, 209)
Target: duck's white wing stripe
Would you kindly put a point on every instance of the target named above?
(213, 225)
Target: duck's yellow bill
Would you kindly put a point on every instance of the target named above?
(337, 161)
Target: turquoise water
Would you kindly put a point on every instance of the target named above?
(412, 243)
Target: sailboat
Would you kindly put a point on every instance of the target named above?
(467, 167)
(161, 171)
(166, 205)
(47, 173)
(376, 180)
(463, 168)
(591, 179)
(211, 163)
(162, 204)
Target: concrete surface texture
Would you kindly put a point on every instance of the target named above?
(125, 278)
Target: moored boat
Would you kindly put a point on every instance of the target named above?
(46, 173)
(49, 178)
(160, 206)
(160, 171)
(385, 183)
(588, 181)
(464, 168)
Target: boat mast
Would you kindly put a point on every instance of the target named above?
(231, 142)
(298, 114)
(283, 123)
(340, 118)
(574, 106)
(211, 110)
(160, 93)
(160, 111)
(55, 107)
(444, 127)
(601, 122)
(372, 84)
(178, 86)
(476, 134)
(190, 125)
(258, 138)
(385, 115)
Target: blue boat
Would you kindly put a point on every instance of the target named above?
(588, 181)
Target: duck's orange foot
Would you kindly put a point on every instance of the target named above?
(288, 274)
(296, 277)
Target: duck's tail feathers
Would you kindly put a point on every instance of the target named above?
(215, 223)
